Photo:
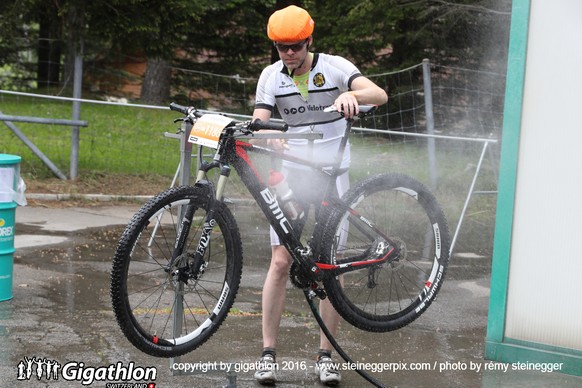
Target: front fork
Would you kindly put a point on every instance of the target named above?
(196, 262)
(214, 197)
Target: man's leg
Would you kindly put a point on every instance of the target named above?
(331, 319)
(274, 292)
(325, 367)
(273, 300)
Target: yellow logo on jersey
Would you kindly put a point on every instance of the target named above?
(318, 80)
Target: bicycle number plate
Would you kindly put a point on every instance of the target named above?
(207, 129)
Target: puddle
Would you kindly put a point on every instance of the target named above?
(32, 240)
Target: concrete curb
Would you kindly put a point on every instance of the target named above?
(91, 197)
(115, 197)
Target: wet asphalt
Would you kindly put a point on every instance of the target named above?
(60, 314)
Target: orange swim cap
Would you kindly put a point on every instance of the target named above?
(290, 24)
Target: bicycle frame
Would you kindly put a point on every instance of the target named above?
(234, 152)
(184, 277)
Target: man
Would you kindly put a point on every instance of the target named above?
(300, 85)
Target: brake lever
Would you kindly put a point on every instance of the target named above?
(364, 110)
(333, 109)
(243, 127)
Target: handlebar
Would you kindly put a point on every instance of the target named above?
(251, 126)
(364, 110)
(185, 110)
(257, 125)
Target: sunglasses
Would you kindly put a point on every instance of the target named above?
(293, 47)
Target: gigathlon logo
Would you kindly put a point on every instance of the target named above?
(116, 375)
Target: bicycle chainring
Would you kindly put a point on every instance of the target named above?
(297, 278)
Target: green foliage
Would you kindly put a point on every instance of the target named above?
(400, 33)
(154, 27)
(231, 36)
(228, 37)
(353, 28)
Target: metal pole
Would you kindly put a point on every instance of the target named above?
(469, 195)
(35, 150)
(429, 122)
(185, 163)
(41, 120)
(185, 154)
(77, 88)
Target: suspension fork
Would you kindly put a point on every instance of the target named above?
(187, 215)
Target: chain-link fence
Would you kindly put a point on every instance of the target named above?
(129, 139)
(453, 149)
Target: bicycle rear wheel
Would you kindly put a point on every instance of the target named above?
(392, 293)
(167, 309)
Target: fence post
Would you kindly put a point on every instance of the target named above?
(185, 154)
(77, 88)
(432, 167)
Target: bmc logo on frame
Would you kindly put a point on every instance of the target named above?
(115, 374)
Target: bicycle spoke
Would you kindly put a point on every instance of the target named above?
(165, 305)
(390, 225)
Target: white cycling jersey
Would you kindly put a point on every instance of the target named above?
(329, 76)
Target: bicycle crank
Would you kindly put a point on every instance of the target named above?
(299, 280)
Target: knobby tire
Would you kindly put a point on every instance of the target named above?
(389, 295)
(146, 291)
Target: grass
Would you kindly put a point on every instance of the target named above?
(127, 140)
(118, 139)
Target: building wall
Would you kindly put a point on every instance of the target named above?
(535, 309)
(546, 260)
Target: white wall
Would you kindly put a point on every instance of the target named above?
(545, 282)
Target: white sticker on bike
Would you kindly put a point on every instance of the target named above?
(208, 322)
(271, 200)
(207, 129)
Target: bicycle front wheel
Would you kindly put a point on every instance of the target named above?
(384, 210)
(169, 307)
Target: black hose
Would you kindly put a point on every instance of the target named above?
(334, 343)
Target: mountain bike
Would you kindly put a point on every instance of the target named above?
(379, 252)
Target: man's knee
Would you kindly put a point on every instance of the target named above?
(280, 259)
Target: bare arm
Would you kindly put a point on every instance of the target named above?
(363, 91)
(367, 92)
(261, 114)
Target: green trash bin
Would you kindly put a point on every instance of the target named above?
(9, 180)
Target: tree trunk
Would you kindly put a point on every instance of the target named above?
(156, 84)
(48, 49)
